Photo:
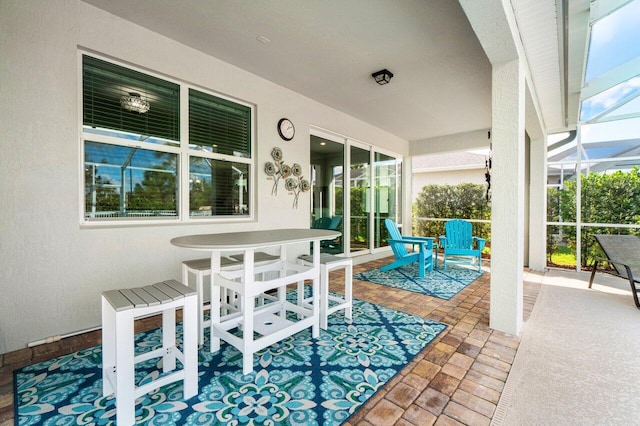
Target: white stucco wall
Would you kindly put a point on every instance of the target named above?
(52, 271)
(465, 141)
(452, 177)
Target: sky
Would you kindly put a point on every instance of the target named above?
(614, 42)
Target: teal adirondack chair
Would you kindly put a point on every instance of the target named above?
(459, 245)
(422, 251)
(321, 223)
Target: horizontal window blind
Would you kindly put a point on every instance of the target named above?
(124, 181)
(218, 188)
(104, 85)
(218, 124)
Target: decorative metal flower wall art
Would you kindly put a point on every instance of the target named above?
(274, 169)
(294, 181)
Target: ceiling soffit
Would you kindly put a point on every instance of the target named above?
(327, 51)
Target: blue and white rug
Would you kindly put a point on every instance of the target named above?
(437, 283)
(299, 381)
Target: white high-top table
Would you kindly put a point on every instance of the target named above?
(268, 320)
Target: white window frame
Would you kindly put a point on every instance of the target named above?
(183, 152)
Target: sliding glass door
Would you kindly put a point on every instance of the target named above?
(354, 188)
(359, 198)
(327, 175)
(387, 195)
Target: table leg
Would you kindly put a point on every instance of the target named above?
(324, 296)
(248, 305)
(282, 291)
(315, 329)
(215, 301)
(247, 336)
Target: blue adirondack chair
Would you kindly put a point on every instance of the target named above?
(459, 245)
(321, 223)
(333, 225)
(422, 251)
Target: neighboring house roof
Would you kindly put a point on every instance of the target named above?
(449, 161)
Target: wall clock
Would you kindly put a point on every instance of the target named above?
(286, 129)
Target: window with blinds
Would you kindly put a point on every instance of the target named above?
(132, 148)
(123, 182)
(129, 102)
(219, 125)
(217, 186)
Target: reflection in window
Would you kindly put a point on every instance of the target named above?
(386, 179)
(327, 189)
(217, 125)
(105, 85)
(132, 143)
(125, 182)
(359, 186)
(217, 188)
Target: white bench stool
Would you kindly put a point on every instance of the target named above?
(202, 268)
(329, 263)
(120, 308)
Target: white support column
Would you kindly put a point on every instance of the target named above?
(538, 205)
(507, 200)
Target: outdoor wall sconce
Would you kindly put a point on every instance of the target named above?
(382, 77)
(133, 102)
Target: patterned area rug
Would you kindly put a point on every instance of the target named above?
(300, 380)
(437, 283)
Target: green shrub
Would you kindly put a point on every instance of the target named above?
(464, 201)
(606, 198)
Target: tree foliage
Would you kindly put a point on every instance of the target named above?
(155, 192)
(612, 198)
(465, 201)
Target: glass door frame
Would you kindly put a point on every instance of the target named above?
(333, 137)
(401, 181)
(365, 147)
(398, 193)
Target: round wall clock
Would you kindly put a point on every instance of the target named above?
(286, 129)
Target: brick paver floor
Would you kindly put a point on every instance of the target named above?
(456, 380)
(459, 377)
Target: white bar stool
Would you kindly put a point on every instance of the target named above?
(120, 308)
(329, 263)
(202, 268)
(259, 257)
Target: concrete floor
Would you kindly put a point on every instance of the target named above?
(577, 361)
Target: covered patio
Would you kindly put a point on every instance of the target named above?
(474, 375)
(97, 208)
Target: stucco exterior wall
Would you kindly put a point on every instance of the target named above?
(452, 177)
(52, 270)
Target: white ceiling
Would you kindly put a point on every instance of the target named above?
(327, 50)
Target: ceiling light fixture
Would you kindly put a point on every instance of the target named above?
(133, 102)
(382, 77)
